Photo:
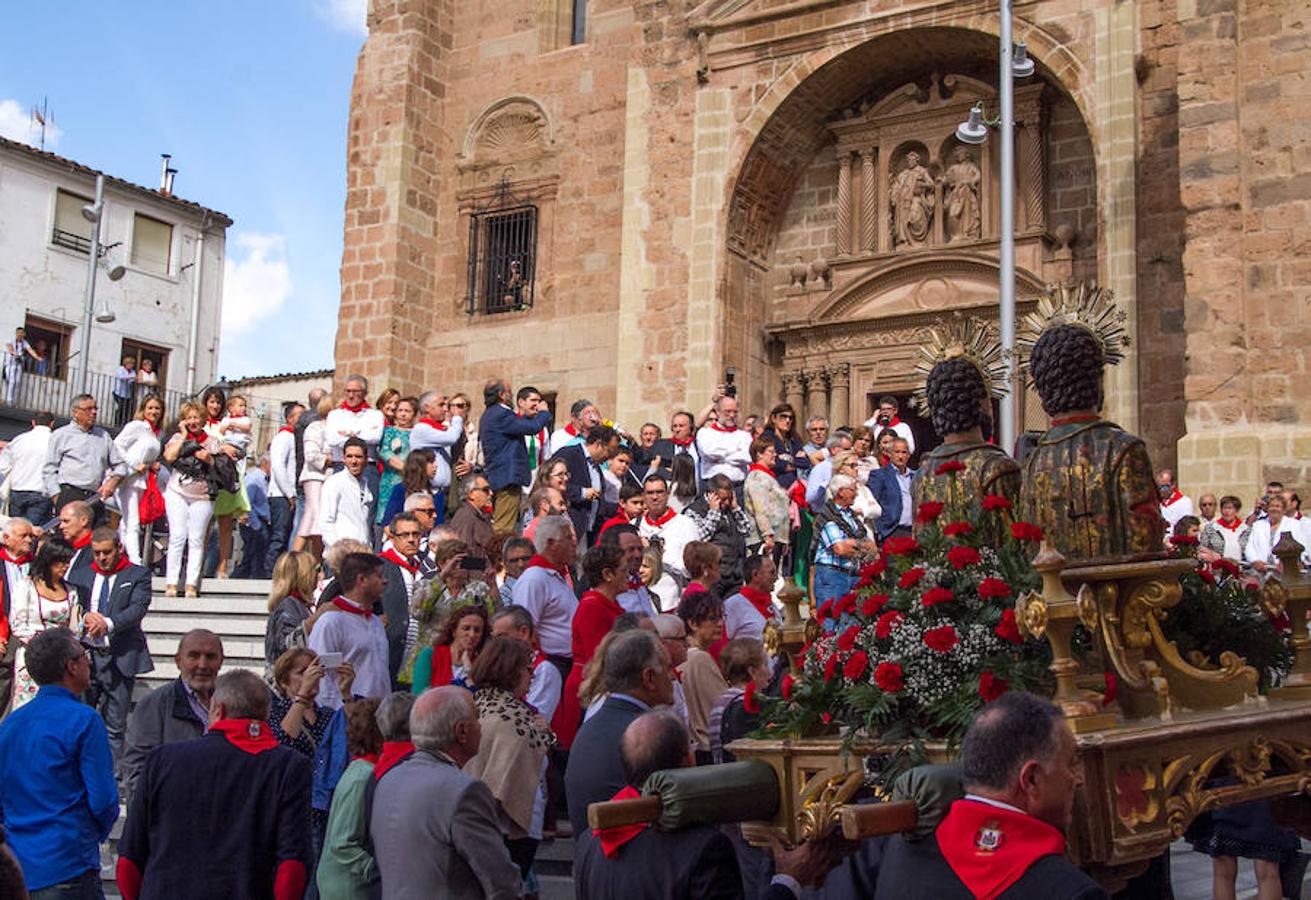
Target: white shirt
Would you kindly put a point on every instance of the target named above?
(545, 689)
(675, 534)
(637, 600)
(742, 619)
(1261, 544)
(1233, 538)
(138, 444)
(1174, 510)
(560, 439)
(362, 642)
(344, 509)
(98, 585)
(23, 458)
(366, 424)
(724, 451)
(551, 603)
(424, 437)
(282, 465)
(901, 428)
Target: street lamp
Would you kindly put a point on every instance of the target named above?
(93, 212)
(1014, 63)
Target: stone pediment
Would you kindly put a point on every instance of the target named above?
(922, 283)
(947, 91)
(719, 14)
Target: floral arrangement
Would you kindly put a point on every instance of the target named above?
(926, 638)
(1222, 610)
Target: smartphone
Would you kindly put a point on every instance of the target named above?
(330, 660)
(730, 389)
(474, 564)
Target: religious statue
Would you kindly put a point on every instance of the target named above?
(512, 291)
(912, 202)
(1087, 483)
(963, 369)
(961, 197)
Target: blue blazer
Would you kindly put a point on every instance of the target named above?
(578, 462)
(505, 457)
(883, 485)
(128, 602)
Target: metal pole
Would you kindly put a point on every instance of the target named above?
(1006, 313)
(94, 260)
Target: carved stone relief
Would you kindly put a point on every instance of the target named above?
(961, 184)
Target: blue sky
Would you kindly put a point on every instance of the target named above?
(251, 98)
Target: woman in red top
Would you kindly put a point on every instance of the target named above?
(597, 610)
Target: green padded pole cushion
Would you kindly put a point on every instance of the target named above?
(934, 789)
(706, 795)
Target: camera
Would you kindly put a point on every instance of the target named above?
(473, 564)
(730, 389)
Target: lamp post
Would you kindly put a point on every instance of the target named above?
(1014, 63)
(92, 214)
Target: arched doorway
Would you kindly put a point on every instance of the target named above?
(856, 221)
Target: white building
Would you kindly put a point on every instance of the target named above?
(166, 306)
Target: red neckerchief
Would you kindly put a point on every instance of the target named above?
(433, 423)
(680, 442)
(617, 519)
(663, 520)
(350, 606)
(297, 594)
(715, 426)
(605, 602)
(286, 428)
(153, 427)
(634, 582)
(1070, 420)
(443, 671)
(884, 460)
(757, 467)
(367, 757)
(364, 404)
(1175, 497)
(198, 436)
(613, 839)
(894, 422)
(391, 554)
(990, 848)
(541, 562)
(213, 421)
(570, 430)
(392, 753)
(81, 542)
(1234, 527)
(18, 561)
(251, 735)
(123, 563)
(761, 600)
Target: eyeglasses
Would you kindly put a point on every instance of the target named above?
(426, 510)
(459, 405)
(354, 390)
(407, 535)
(514, 560)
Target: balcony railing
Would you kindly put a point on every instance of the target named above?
(55, 394)
(71, 240)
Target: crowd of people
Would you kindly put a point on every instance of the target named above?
(478, 626)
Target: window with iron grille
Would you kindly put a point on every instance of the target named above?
(502, 257)
(71, 231)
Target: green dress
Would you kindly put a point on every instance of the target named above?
(345, 867)
(395, 444)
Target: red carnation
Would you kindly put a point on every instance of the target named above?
(1007, 629)
(991, 687)
(952, 465)
(928, 512)
(994, 502)
(825, 717)
(750, 702)
(900, 546)
(825, 610)
(856, 665)
(844, 604)
(1025, 531)
(874, 569)
(887, 623)
(1228, 566)
(991, 588)
(941, 639)
(1184, 540)
(960, 557)
(831, 666)
(957, 529)
(873, 604)
(1206, 576)
(847, 639)
(888, 677)
(910, 577)
(788, 683)
(937, 595)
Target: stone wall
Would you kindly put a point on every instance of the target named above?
(1245, 164)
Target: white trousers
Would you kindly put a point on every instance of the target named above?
(128, 496)
(187, 521)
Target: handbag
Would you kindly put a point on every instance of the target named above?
(152, 501)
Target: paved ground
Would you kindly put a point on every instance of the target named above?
(1191, 875)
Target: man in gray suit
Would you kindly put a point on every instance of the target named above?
(434, 829)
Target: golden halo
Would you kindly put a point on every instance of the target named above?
(1084, 305)
(965, 338)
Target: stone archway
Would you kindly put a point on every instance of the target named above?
(813, 255)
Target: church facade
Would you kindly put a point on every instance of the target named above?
(620, 200)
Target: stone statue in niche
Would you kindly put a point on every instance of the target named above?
(960, 197)
(911, 197)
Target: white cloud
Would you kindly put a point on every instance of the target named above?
(17, 125)
(348, 15)
(256, 282)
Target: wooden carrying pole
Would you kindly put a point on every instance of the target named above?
(866, 820)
